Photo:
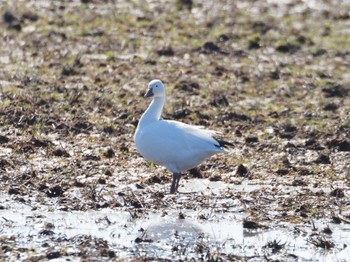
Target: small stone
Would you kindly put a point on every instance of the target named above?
(335, 90)
(181, 215)
(60, 153)
(215, 178)
(4, 139)
(282, 172)
(323, 159)
(338, 193)
(251, 139)
(195, 173)
(223, 38)
(109, 153)
(327, 230)
(211, 47)
(336, 220)
(287, 48)
(55, 191)
(53, 255)
(168, 51)
(9, 17)
(242, 171)
(68, 71)
(330, 107)
(102, 181)
(14, 191)
(250, 224)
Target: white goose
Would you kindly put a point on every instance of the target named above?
(172, 144)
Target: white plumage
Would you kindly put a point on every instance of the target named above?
(172, 144)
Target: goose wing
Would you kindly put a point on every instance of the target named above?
(176, 145)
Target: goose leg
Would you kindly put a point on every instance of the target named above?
(175, 183)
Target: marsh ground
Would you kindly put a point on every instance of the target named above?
(272, 76)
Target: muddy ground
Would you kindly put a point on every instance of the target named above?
(272, 76)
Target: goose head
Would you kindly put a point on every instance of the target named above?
(155, 89)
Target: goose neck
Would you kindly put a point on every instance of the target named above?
(153, 111)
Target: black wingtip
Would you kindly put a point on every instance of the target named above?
(224, 144)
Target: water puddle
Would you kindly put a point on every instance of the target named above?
(229, 237)
(166, 235)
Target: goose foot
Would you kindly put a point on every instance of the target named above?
(175, 183)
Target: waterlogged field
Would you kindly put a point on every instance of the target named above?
(271, 76)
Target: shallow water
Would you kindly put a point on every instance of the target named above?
(163, 235)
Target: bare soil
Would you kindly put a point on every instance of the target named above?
(271, 76)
